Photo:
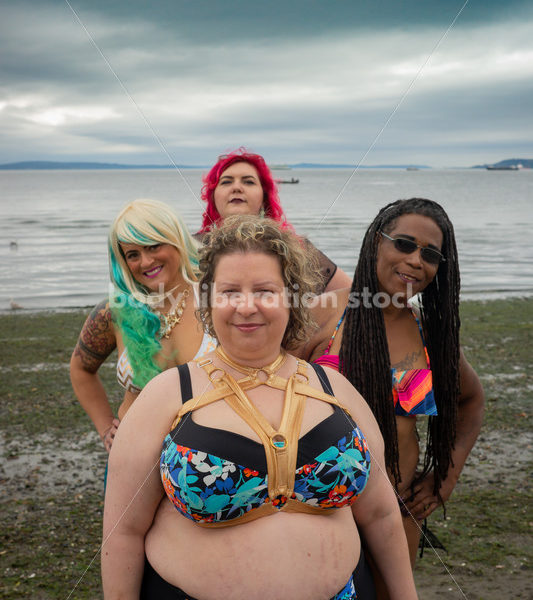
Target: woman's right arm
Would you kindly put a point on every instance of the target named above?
(96, 342)
(134, 489)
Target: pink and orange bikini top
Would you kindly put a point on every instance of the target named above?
(412, 389)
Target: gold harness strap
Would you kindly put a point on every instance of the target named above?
(281, 446)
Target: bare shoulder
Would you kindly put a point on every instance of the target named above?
(339, 281)
(329, 306)
(156, 407)
(344, 391)
(326, 309)
(351, 399)
(168, 383)
(163, 388)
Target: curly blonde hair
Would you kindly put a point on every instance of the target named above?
(299, 268)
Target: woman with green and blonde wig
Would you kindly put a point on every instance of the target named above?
(149, 315)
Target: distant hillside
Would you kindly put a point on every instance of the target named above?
(352, 166)
(49, 165)
(527, 163)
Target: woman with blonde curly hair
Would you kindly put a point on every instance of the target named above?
(269, 466)
(150, 313)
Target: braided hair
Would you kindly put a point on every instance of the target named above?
(364, 354)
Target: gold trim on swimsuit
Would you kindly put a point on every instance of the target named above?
(281, 446)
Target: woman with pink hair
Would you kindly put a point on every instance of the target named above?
(240, 183)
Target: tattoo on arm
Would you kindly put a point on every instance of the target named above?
(97, 338)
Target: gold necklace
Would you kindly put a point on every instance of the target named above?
(252, 371)
(153, 299)
(172, 318)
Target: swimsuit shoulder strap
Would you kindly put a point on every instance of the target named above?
(185, 382)
(422, 336)
(323, 378)
(332, 338)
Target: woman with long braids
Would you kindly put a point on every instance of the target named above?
(407, 361)
(240, 183)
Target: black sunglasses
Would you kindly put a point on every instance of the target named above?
(430, 255)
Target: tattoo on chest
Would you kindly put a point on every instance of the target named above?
(409, 361)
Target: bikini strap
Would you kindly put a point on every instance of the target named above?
(332, 338)
(185, 382)
(422, 336)
(323, 378)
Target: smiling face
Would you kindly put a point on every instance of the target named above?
(239, 191)
(397, 270)
(156, 267)
(249, 311)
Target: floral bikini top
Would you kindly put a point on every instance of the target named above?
(412, 389)
(220, 478)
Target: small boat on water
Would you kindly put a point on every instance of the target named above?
(503, 168)
(291, 180)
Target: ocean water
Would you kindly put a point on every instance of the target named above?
(53, 251)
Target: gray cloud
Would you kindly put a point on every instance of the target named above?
(298, 81)
(209, 20)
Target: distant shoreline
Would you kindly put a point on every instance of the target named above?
(96, 166)
(46, 165)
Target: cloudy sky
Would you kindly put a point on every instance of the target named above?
(331, 81)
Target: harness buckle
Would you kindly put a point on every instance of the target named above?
(203, 362)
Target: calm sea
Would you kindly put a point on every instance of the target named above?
(53, 252)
